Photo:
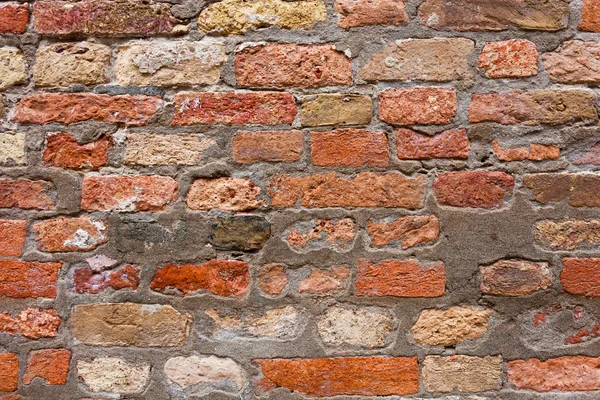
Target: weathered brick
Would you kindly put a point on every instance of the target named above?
(563, 374)
(102, 18)
(580, 276)
(242, 233)
(179, 149)
(325, 282)
(284, 323)
(14, 18)
(450, 327)
(50, 365)
(12, 237)
(162, 63)
(406, 278)
(273, 279)
(462, 373)
(590, 16)
(275, 65)
(324, 377)
(27, 279)
(12, 67)
(64, 64)
(366, 189)
(27, 194)
(108, 374)
(452, 143)
(350, 147)
(405, 232)
(234, 108)
(227, 194)
(32, 323)
(218, 277)
(514, 278)
(417, 106)
(63, 150)
(127, 193)
(437, 60)
(490, 15)
(558, 327)
(574, 62)
(236, 17)
(87, 281)
(190, 371)
(70, 234)
(591, 156)
(516, 58)
(69, 108)
(539, 107)
(535, 152)
(568, 234)
(475, 189)
(266, 146)
(12, 148)
(336, 234)
(361, 327)
(355, 13)
(9, 372)
(581, 190)
(129, 324)
(336, 110)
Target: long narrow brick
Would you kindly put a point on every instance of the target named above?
(26, 279)
(27, 194)
(453, 143)
(580, 276)
(350, 147)
(562, 374)
(417, 106)
(579, 190)
(266, 146)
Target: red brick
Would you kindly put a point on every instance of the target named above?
(514, 58)
(32, 323)
(514, 278)
(219, 277)
(366, 189)
(23, 193)
(127, 193)
(453, 143)
(350, 147)
(590, 16)
(62, 150)
(581, 190)
(12, 237)
(70, 234)
(417, 106)
(9, 372)
(476, 189)
(367, 12)
(276, 65)
(407, 278)
(492, 15)
(564, 374)
(69, 108)
(574, 62)
(227, 194)
(14, 18)
(592, 156)
(269, 146)
(535, 152)
(234, 108)
(25, 279)
(581, 276)
(325, 282)
(102, 18)
(407, 231)
(273, 279)
(51, 365)
(324, 377)
(86, 281)
(549, 107)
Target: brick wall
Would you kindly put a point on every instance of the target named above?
(274, 199)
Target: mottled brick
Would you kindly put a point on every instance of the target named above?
(27, 279)
(12, 148)
(219, 277)
(568, 234)
(417, 106)
(405, 232)
(87, 281)
(27, 194)
(475, 189)
(32, 323)
(63, 150)
(350, 147)
(273, 279)
(335, 234)
(562, 374)
(453, 143)
(266, 146)
(70, 234)
(241, 233)
(514, 278)
(12, 237)
(406, 278)
(535, 152)
(50, 365)
(14, 18)
(355, 13)
(451, 326)
(276, 65)
(325, 282)
(581, 190)
(574, 62)
(227, 194)
(516, 58)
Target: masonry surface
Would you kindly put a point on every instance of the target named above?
(283, 200)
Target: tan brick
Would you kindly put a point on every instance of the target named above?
(336, 110)
(450, 327)
(12, 67)
(227, 194)
(12, 148)
(462, 373)
(161, 149)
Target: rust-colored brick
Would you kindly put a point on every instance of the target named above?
(267, 146)
(27, 194)
(25, 279)
(49, 365)
(9, 372)
(350, 147)
(563, 374)
(475, 189)
(62, 150)
(12, 237)
(417, 106)
(14, 18)
(580, 276)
